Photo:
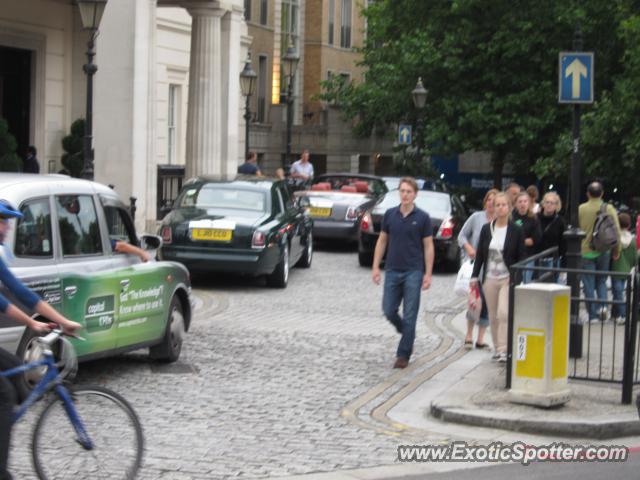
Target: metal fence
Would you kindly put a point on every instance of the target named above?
(600, 351)
(170, 178)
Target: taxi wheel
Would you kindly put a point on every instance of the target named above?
(171, 345)
(29, 350)
(280, 276)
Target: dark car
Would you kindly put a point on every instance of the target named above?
(250, 225)
(337, 201)
(447, 213)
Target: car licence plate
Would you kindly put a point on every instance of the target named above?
(212, 234)
(319, 211)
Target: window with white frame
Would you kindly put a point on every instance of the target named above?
(172, 123)
(345, 24)
(290, 33)
(289, 16)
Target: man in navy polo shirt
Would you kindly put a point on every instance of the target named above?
(250, 166)
(407, 232)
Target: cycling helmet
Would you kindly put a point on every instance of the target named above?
(8, 211)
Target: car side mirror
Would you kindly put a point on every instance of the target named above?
(150, 242)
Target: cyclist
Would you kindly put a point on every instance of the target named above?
(7, 360)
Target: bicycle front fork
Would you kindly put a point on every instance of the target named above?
(81, 432)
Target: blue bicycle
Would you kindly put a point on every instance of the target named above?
(84, 431)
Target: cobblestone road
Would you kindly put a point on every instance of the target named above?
(264, 376)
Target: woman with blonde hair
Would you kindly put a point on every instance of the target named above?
(468, 241)
(552, 226)
(524, 217)
(501, 244)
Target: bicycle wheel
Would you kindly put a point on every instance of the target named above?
(110, 422)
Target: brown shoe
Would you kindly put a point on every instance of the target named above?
(401, 363)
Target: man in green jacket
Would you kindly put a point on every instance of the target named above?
(593, 260)
(627, 260)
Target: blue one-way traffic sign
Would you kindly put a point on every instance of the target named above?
(404, 134)
(575, 82)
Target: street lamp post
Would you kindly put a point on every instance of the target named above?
(91, 13)
(419, 95)
(574, 234)
(290, 61)
(247, 85)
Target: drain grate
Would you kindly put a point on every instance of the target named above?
(174, 368)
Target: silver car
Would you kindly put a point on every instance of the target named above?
(63, 249)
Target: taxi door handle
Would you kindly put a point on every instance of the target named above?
(71, 291)
(124, 283)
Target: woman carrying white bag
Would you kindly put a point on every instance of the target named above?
(501, 244)
(468, 240)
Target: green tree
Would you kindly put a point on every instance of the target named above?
(73, 158)
(490, 67)
(610, 131)
(9, 160)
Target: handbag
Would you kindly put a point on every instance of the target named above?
(474, 304)
(461, 287)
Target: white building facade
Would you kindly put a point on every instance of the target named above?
(166, 90)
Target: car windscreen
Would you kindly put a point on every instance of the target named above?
(213, 196)
(436, 205)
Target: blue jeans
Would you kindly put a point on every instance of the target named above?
(403, 287)
(527, 275)
(548, 262)
(618, 285)
(595, 283)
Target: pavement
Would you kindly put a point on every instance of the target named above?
(269, 386)
(471, 391)
(461, 396)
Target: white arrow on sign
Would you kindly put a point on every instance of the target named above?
(404, 135)
(576, 70)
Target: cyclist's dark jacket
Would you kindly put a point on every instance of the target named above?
(15, 286)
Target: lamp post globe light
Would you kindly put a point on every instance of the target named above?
(91, 13)
(247, 86)
(290, 61)
(419, 94)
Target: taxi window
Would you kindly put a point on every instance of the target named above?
(119, 225)
(78, 222)
(33, 231)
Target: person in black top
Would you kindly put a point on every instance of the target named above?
(31, 164)
(501, 244)
(250, 166)
(552, 225)
(524, 217)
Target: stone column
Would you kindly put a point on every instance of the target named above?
(234, 53)
(204, 129)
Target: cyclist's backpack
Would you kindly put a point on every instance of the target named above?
(605, 233)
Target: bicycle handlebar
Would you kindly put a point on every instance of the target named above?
(50, 338)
